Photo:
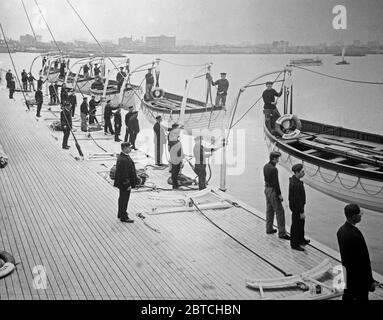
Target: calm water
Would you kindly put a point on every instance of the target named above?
(351, 105)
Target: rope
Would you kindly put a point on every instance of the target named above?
(14, 67)
(338, 78)
(49, 29)
(183, 65)
(240, 243)
(29, 20)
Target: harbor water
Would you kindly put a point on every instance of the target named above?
(317, 98)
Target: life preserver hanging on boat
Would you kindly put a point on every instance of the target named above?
(158, 93)
(288, 126)
(9, 263)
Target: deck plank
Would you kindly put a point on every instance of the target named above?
(61, 213)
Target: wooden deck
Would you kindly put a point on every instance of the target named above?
(58, 212)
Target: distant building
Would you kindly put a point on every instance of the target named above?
(357, 43)
(161, 42)
(29, 40)
(125, 42)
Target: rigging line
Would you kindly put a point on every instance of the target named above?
(14, 68)
(261, 84)
(183, 65)
(240, 243)
(49, 29)
(338, 78)
(29, 20)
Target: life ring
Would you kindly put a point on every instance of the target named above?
(157, 93)
(288, 126)
(9, 264)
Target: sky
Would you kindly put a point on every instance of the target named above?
(202, 21)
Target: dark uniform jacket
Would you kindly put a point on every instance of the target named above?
(52, 90)
(72, 100)
(355, 258)
(12, 85)
(133, 125)
(40, 84)
(126, 175)
(66, 119)
(223, 86)
(63, 95)
(297, 195)
(24, 76)
(92, 106)
(270, 173)
(269, 97)
(108, 111)
(39, 96)
(127, 117)
(8, 76)
(84, 108)
(149, 78)
(117, 119)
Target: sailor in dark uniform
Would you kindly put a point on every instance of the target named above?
(274, 197)
(117, 125)
(64, 94)
(297, 201)
(92, 110)
(8, 77)
(66, 123)
(73, 101)
(120, 78)
(24, 80)
(125, 180)
(127, 117)
(223, 86)
(270, 105)
(201, 154)
(84, 111)
(159, 141)
(355, 257)
(12, 87)
(108, 112)
(39, 102)
(134, 129)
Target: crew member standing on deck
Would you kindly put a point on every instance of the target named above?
(56, 96)
(8, 77)
(117, 125)
(64, 94)
(270, 107)
(159, 141)
(40, 83)
(84, 111)
(92, 109)
(134, 129)
(127, 117)
(108, 112)
(201, 154)
(31, 83)
(176, 159)
(96, 70)
(52, 93)
(24, 80)
(125, 180)
(355, 256)
(274, 197)
(223, 86)
(297, 201)
(12, 87)
(39, 102)
(73, 101)
(66, 123)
